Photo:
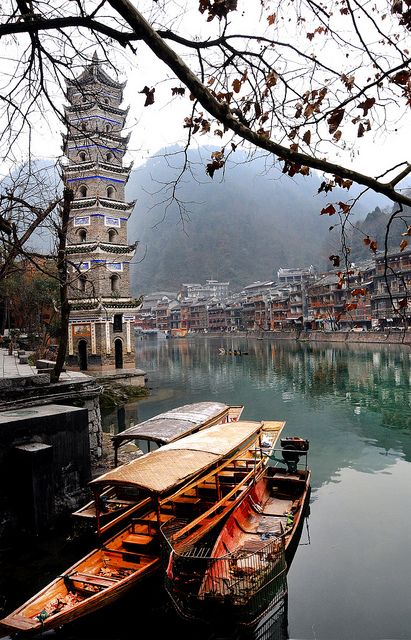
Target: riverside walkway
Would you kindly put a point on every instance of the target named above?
(11, 367)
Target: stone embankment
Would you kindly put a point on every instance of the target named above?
(346, 337)
(341, 337)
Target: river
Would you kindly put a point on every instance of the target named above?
(351, 575)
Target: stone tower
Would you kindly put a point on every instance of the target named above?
(101, 333)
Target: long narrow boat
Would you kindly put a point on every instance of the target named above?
(158, 431)
(177, 423)
(244, 570)
(190, 484)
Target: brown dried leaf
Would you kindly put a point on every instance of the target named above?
(335, 119)
(335, 260)
(307, 137)
(366, 105)
(402, 77)
(330, 210)
(348, 81)
(237, 85)
(345, 208)
(271, 79)
(403, 244)
(214, 166)
(149, 93)
(178, 91)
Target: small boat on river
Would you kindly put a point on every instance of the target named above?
(244, 570)
(158, 431)
(231, 352)
(190, 484)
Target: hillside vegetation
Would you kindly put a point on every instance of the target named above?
(241, 229)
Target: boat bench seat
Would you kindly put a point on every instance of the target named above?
(129, 556)
(95, 581)
(137, 539)
(182, 504)
(144, 526)
(186, 500)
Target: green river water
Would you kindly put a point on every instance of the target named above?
(351, 574)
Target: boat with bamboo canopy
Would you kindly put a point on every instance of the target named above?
(190, 484)
(158, 431)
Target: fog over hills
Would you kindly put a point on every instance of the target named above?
(241, 229)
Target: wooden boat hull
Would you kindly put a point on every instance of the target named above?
(97, 592)
(134, 553)
(246, 569)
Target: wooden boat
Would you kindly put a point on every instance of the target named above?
(177, 423)
(231, 352)
(171, 479)
(244, 570)
(159, 430)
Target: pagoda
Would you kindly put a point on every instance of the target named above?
(101, 331)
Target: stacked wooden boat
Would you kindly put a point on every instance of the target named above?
(187, 487)
(164, 428)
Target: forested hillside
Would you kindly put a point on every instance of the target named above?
(240, 229)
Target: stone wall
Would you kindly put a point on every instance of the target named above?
(349, 337)
(35, 390)
(44, 466)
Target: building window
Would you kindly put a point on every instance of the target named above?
(108, 128)
(83, 191)
(114, 284)
(112, 235)
(106, 101)
(109, 157)
(82, 234)
(82, 156)
(82, 283)
(118, 322)
(84, 126)
(110, 192)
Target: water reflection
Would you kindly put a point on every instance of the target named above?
(277, 378)
(353, 403)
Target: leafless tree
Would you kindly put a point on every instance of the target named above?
(304, 81)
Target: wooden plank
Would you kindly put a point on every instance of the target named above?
(187, 500)
(19, 622)
(137, 539)
(96, 581)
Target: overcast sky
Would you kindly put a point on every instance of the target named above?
(160, 125)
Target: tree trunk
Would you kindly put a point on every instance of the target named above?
(62, 271)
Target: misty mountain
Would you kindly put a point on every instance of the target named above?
(241, 227)
(375, 226)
